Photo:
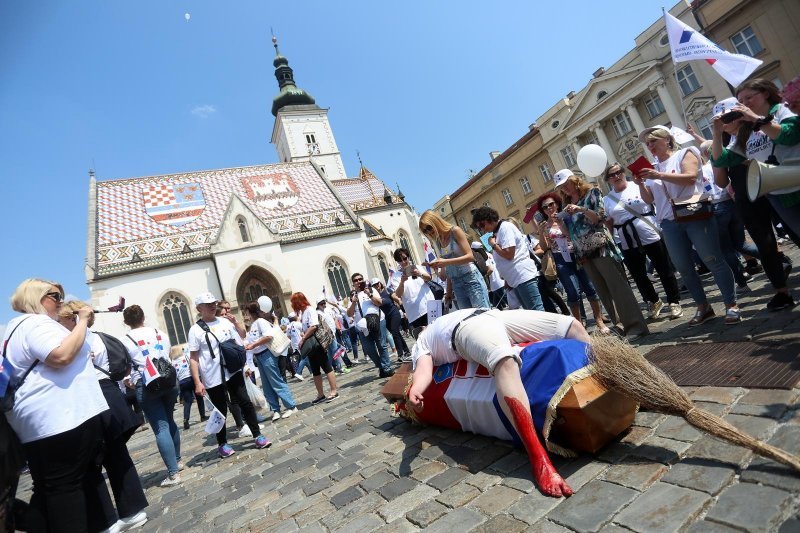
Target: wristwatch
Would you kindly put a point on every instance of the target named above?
(763, 121)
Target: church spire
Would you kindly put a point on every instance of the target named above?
(290, 94)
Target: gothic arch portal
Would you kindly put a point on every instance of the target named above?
(256, 281)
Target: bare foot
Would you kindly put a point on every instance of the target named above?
(549, 481)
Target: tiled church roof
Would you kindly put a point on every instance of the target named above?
(149, 220)
(365, 191)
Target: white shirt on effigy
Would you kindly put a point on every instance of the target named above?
(435, 340)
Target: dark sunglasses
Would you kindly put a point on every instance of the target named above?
(617, 173)
(358, 280)
(427, 229)
(548, 206)
(403, 258)
(57, 296)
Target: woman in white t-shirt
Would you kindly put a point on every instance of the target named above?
(158, 406)
(57, 412)
(262, 339)
(412, 288)
(210, 377)
(317, 355)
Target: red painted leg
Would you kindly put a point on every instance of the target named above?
(548, 480)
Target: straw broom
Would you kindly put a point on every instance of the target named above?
(621, 368)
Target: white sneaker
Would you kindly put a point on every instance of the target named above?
(289, 412)
(181, 465)
(654, 309)
(171, 480)
(132, 521)
(113, 528)
(298, 377)
(276, 416)
(245, 432)
(675, 311)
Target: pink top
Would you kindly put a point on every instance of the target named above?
(555, 236)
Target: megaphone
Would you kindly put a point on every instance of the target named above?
(763, 178)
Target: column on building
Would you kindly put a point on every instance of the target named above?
(576, 147)
(674, 115)
(597, 128)
(638, 124)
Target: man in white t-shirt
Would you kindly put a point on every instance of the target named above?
(511, 256)
(366, 301)
(204, 349)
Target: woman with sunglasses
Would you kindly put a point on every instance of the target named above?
(597, 252)
(464, 280)
(640, 239)
(412, 288)
(555, 237)
(57, 412)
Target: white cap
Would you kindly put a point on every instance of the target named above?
(375, 281)
(561, 176)
(723, 106)
(292, 314)
(322, 298)
(205, 298)
(647, 131)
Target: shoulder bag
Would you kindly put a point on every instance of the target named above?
(233, 356)
(323, 333)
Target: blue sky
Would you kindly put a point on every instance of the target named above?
(424, 90)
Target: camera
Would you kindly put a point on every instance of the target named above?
(729, 117)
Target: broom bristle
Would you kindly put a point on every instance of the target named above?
(619, 367)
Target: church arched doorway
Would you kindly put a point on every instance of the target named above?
(255, 282)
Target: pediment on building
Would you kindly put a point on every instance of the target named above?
(699, 107)
(603, 88)
(373, 232)
(241, 227)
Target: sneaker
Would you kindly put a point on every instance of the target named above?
(276, 416)
(172, 480)
(298, 377)
(329, 399)
(675, 311)
(263, 442)
(781, 300)
(742, 288)
(245, 431)
(753, 268)
(289, 412)
(203, 418)
(732, 316)
(185, 424)
(318, 400)
(113, 528)
(181, 466)
(652, 277)
(132, 521)
(225, 451)
(654, 309)
(345, 370)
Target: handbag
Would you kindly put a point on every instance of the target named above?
(549, 265)
(279, 342)
(309, 346)
(691, 210)
(7, 395)
(372, 321)
(233, 356)
(163, 374)
(323, 333)
(436, 289)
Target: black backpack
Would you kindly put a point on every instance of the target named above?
(480, 262)
(167, 376)
(119, 360)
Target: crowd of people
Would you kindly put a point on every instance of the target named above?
(73, 413)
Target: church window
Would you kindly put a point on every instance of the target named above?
(406, 243)
(337, 275)
(243, 229)
(384, 267)
(311, 144)
(253, 290)
(176, 318)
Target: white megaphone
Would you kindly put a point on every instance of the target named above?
(763, 178)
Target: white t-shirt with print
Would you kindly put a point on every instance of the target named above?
(52, 400)
(631, 197)
(294, 332)
(150, 342)
(309, 318)
(367, 305)
(759, 147)
(435, 340)
(262, 328)
(519, 268)
(223, 329)
(416, 295)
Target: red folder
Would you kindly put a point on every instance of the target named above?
(639, 165)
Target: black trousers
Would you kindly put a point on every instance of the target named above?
(69, 492)
(550, 298)
(636, 261)
(757, 218)
(235, 387)
(393, 322)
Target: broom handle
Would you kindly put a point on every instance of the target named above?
(721, 429)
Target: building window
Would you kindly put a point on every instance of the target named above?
(568, 154)
(547, 173)
(339, 279)
(243, 229)
(601, 94)
(463, 224)
(591, 138)
(405, 242)
(384, 267)
(704, 126)
(745, 42)
(622, 124)
(311, 144)
(687, 80)
(507, 197)
(654, 105)
(525, 184)
(176, 318)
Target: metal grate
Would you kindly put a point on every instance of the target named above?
(730, 364)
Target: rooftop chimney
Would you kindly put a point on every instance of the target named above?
(493, 154)
(599, 72)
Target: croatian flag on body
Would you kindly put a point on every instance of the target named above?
(149, 372)
(463, 394)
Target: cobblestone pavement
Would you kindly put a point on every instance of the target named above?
(350, 466)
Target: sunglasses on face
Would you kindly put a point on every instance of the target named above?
(358, 280)
(427, 229)
(57, 296)
(616, 173)
(404, 258)
(548, 206)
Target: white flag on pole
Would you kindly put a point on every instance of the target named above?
(686, 44)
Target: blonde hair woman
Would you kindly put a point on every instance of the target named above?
(464, 280)
(57, 412)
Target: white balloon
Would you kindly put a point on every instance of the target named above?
(187, 16)
(265, 303)
(592, 160)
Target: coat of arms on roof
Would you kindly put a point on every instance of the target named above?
(174, 204)
(271, 190)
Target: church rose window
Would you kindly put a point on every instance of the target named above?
(338, 277)
(176, 318)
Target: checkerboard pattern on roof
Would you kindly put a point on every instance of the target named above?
(362, 193)
(124, 227)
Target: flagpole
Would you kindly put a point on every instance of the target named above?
(675, 72)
